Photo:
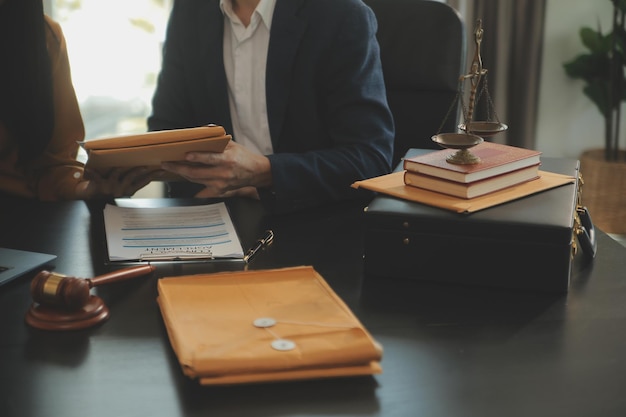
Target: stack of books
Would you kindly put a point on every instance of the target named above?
(500, 167)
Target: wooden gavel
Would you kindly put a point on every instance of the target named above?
(71, 293)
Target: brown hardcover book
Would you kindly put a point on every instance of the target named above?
(151, 148)
(472, 189)
(495, 159)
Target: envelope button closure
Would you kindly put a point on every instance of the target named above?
(283, 344)
(264, 322)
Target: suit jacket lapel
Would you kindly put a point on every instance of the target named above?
(209, 35)
(286, 32)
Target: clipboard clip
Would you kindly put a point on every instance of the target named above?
(263, 242)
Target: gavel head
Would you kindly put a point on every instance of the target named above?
(56, 290)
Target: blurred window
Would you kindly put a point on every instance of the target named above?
(115, 56)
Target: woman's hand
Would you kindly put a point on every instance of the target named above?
(120, 182)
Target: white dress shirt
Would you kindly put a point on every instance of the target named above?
(245, 59)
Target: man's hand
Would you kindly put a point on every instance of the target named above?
(234, 172)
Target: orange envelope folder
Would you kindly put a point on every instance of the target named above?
(151, 148)
(261, 326)
(393, 185)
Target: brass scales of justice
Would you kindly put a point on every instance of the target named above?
(471, 132)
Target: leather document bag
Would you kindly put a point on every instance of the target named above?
(525, 244)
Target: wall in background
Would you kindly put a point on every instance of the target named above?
(568, 121)
(114, 48)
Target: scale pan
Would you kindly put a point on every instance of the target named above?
(484, 128)
(457, 140)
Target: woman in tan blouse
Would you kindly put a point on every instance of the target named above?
(40, 122)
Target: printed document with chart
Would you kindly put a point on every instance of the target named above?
(170, 233)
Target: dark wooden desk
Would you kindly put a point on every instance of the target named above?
(448, 351)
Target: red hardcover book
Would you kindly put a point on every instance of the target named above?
(495, 159)
(472, 189)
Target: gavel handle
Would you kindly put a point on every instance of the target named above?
(121, 275)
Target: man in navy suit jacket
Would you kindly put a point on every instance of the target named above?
(322, 108)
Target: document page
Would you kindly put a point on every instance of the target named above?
(170, 233)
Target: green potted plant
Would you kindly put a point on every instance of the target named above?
(602, 68)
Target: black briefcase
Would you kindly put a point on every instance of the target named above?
(526, 244)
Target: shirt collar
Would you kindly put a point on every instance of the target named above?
(265, 9)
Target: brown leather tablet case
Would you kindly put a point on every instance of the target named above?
(151, 148)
